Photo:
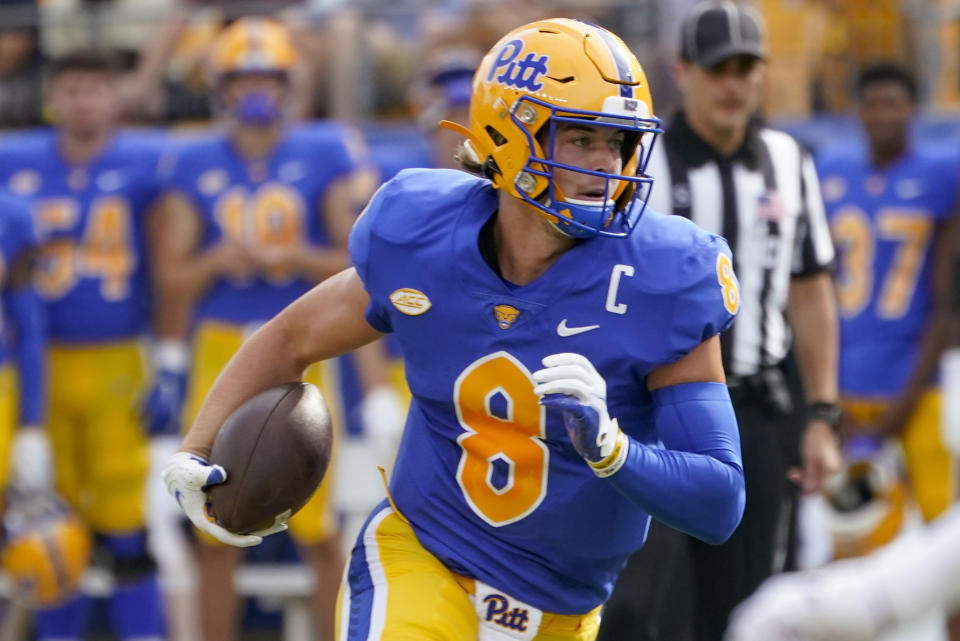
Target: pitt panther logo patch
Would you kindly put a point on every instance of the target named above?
(499, 612)
(411, 302)
(505, 315)
(522, 73)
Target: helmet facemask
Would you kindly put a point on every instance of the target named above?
(618, 211)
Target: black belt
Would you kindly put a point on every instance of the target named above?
(767, 387)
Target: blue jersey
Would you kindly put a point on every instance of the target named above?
(272, 203)
(884, 222)
(91, 271)
(16, 237)
(487, 478)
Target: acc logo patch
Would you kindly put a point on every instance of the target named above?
(505, 315)
(411, 302)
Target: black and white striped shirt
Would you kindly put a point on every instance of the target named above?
(765, 200)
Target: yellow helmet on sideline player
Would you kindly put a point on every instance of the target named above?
(252, 45)
(46, 549)
(250, 69)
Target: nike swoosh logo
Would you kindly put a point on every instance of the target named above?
(563, 330)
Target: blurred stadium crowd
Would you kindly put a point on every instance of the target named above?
(363, 58)
(392, 70)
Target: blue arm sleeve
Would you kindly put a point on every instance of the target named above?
(696, 484)
(26, 312)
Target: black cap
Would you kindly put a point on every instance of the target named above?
(716, 31)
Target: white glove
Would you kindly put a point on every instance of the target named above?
(837, 603)
(31, 460)
(383, 414)
(570, 383)
(187, 477)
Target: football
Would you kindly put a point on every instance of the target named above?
(275, 449)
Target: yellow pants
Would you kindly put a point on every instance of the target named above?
(99, 448)
(214, 343)
(930, 467)
(8, 418)
(395, 590)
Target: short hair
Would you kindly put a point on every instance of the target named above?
(887, 71)
(85, 60)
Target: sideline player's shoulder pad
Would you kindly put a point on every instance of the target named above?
(187, 158)
(838, 158)
(22, 156)
(19, 221)
(341, 147)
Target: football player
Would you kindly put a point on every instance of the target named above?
(561, 347)
(257, 213)
(892, 208)
(91, 189)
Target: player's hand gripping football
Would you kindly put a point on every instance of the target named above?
(187, 477)
(569, 383)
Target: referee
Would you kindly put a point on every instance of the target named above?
(758, 189)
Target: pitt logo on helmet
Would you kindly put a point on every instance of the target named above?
(411, 302)
(522, 74)
(505, 315)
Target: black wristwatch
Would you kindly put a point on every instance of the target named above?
(830, 413)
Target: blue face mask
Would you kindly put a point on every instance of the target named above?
(595, 215)
(257, 108)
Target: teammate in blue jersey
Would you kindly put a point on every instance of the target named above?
(561, 350)
(892, 210)
(90, 189)
(257, 214)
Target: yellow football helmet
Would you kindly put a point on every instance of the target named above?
(46, 549)
(562, 71)
(252, 45)
(867, 499)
